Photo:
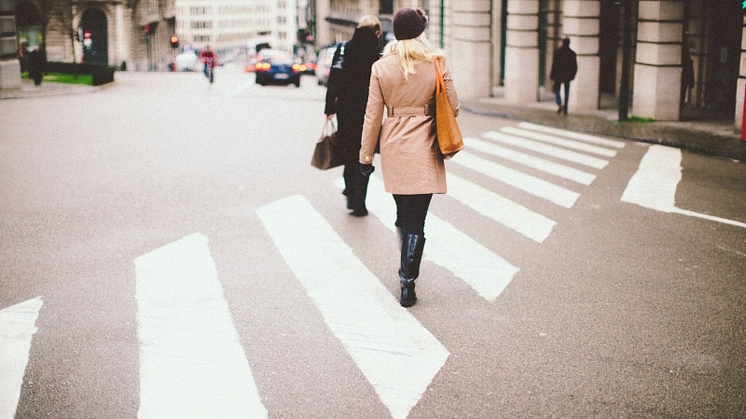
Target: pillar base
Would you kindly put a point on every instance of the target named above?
(10, 75)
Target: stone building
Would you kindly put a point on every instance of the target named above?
(504, 47)
(136, 34)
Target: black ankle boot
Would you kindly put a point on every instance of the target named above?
(411, 256)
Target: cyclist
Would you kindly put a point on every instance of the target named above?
(210, 59)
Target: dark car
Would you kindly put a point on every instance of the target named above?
(278, 69)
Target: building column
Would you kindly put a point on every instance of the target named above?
(522, 52)
(581, 24)
(471, 49)
(10, 67)
(658, 61)
(741, 89)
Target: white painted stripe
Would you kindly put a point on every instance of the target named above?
(550, 150)
(533, 162)
(654, 184)
(17, 328)
(656, 180)
(192, 364)
(592, 139)
(552, 139)
(519, 180)
(486, 272)
(395, 353)
(514, 216)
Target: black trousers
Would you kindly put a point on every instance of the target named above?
(351, 117)
(411, 211)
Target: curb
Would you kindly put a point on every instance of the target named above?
(697, 141)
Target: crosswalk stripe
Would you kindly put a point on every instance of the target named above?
(17, 328)
(572, 134)
(553, 139)
(547, 149)
(519, 180)
(191, 362)
(396, 354)
(512, 215)
(655, 182)
(486, 272)
(537, 163)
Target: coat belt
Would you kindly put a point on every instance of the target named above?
(422, 110)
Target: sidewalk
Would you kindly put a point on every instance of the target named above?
(45, 89)
(701, 131)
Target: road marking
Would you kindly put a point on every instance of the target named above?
(486, 272)
(654, 184)
(191, 362)
(533, 162)
(519, 180)
(572, 134)
(17, 328)
(547, 149)
(506, 212)
(553, 139)
(396, 354)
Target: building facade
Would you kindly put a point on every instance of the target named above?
(634, 51)
(136, 34)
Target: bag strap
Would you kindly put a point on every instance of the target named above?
(330, 127)
(440, 85)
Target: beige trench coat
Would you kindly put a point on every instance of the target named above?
(411, 162)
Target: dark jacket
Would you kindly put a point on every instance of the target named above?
(347, 91)
(564, 65)
(351, 82)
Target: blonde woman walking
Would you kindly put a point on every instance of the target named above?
(403, 82)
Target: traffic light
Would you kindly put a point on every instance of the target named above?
(743, 7)
(174, 41)
(147, 29)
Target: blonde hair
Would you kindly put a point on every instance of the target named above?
(370, 21)
(411, 52)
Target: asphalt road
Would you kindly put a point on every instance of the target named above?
(163, 238)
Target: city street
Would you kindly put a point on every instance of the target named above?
(168, 251)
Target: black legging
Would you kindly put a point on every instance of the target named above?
(411, 211)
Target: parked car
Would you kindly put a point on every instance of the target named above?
(278, 69)
(324, 63)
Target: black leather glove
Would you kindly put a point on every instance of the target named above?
(366, 169)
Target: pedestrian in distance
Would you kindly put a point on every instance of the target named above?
(564, 68)
(35, 62)
(687, 74)
(347, 96)
(404, 82)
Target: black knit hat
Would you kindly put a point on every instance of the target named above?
(409, 23)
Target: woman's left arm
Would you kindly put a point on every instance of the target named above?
(373, 118)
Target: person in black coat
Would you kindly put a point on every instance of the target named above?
(564, 68)
(347, 96)
(35, 66)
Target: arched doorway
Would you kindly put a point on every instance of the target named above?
(95, 37)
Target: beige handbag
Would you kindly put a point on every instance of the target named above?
(450, 140)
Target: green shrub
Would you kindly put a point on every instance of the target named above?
(101, 73)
